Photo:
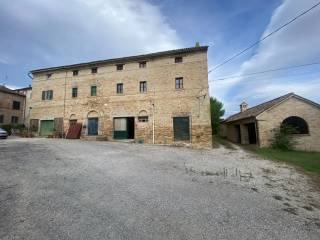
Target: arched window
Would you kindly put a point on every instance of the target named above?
(298, 123)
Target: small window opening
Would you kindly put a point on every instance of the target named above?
(178, 59)
(119, 67)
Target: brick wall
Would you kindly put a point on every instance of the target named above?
(160, 75)
(6, 101)
(272, 118)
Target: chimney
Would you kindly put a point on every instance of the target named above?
(243, 106)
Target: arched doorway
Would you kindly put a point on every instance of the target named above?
(93, 123)
(72, 119)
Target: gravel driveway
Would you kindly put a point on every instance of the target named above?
(64, 189)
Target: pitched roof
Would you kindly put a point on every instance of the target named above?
(125, 59)
(8, 90)
(255, 111)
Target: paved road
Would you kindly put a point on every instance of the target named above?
(61, 189)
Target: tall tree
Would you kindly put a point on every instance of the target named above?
(217, 112)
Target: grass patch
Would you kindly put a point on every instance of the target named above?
(217, 140)
(309, 161)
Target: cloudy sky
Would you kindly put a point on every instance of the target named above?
(44, 33)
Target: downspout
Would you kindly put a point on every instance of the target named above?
(25, 102)
(153, 117)
(64, 103)
(153, 123)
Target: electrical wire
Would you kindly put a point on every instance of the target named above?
(264, 38)
(266, 71)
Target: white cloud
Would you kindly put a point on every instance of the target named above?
(59, 32)
(296, 44)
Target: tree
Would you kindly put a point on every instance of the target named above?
(217, 112)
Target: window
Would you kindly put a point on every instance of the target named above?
(1, 118)
(143, 119)
(93, 90)
(299, 124)
(179, 83)
(143, 64)
(94, 70)
(119, 67)
(49, 75)
(120, 88)
(75, 72)
(178, 59)
(143, 87)
(14, 119)
(16, 105)
(74, 92)
(47, 95)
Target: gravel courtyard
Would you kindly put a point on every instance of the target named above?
(64, 189)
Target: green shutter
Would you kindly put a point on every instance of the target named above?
(93, 90)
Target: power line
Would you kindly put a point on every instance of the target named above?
(272, 78)
(262, 39)
(266, 71)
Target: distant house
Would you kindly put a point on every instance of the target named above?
(257, 125)
(13, 105)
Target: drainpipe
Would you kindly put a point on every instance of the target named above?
(153, 123)
(64, 104)
(25, 103)
(153, 117)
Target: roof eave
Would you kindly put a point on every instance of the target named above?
(124, 59)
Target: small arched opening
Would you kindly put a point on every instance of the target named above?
(143, 116)
(72, 119)
(299, 125)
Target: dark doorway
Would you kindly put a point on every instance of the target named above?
(92, 126)
(252, 133)
(181, 128)
(238, 133)
(130, 124)
(123, 128)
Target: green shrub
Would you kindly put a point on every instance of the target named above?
(283, 138)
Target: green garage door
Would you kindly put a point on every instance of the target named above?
(46, 127)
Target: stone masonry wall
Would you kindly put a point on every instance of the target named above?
(272, 118)
(6, 101)
(161, 102)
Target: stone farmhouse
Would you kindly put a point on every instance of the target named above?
(13, 105)
(256, 125)
(157, 98)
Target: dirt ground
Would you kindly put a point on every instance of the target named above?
(64, 189)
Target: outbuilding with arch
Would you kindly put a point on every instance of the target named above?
(257, 125)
